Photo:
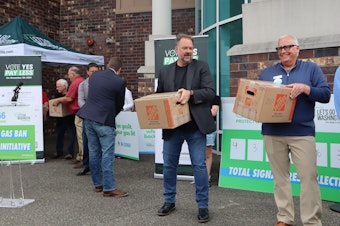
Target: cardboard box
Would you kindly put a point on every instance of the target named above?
(263, 101)
(60, 110)
(161, 111)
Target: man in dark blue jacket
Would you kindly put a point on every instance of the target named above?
(105, 100)
(298, 137)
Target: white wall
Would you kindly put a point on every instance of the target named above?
(266, 20)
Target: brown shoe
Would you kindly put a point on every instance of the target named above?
(98, 189)
(74, 162)
(115, 193)
(78, 166)
(280, 223)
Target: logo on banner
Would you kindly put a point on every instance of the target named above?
(171, 56)
(42, 42)
(152, 112)
(280, 102)
(5, 40)
(19, 71)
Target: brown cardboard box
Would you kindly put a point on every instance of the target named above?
(161, 111)
(263, 101)
(60, 110)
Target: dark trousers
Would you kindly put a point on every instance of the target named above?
(86, 159)
(70, 129)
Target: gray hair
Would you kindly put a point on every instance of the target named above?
(74, 70)
(62, 82)
(295, 40)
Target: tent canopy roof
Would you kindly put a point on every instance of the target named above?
(18, 37)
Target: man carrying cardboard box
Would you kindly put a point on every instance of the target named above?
(194, 84)
(64, 124)
(71, 98)
(298, 137)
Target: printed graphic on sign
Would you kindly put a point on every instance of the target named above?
(238, 149)
(255, 150)
(23, 71)
(321, 149)
(165, 52)
(21, 108)
(127, 137)
(17, 143)
(335, 155)
(245, 165)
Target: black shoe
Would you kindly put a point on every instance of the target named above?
(83, 172)
(203, 215)
(166, 209)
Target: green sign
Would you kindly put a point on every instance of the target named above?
(17, 142)
(21, 122)
(244, 163)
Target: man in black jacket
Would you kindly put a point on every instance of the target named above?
(194, 84)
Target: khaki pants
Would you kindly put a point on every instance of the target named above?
(303, 154)
(79, 129)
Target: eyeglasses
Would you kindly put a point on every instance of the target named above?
(286, 48)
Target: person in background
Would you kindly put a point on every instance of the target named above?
(128, 102)
(83, 90)
(105, 101)
(336, 89)
(215, 105)
(71, 98)
(64, 124)
(295, 139)
(194, 84)
(45, 105)
(336, 95)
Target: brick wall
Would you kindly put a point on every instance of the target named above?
(72, 22)
(80, 20)
(250, 66)
(43, 15)
(132, 32)
(183, 21)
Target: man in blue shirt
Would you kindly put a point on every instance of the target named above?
(298, 137)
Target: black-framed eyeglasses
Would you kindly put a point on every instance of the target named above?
(286, 48)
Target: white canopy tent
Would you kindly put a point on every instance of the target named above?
(19, 38)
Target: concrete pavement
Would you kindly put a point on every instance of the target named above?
(62, 198)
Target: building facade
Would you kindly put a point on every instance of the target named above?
(118, 28)
(242, 34)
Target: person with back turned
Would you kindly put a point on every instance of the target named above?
(104, 102)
